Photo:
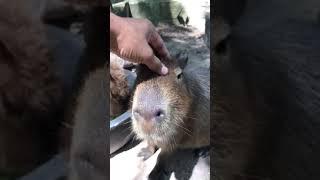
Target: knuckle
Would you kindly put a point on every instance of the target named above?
(148, 24)
(148, 55)
(158, 45)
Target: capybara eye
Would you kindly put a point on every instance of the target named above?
(160, 113)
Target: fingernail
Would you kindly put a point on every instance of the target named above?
(164, 70)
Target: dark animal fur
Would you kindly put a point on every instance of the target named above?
(29, 91)
(266, 117)
(119, 89)
(90, 108)
(88, 158)
(89, 2)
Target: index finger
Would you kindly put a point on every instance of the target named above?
(156, 65)
(158, 45)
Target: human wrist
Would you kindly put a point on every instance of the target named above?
(115, 28)
(115, 24)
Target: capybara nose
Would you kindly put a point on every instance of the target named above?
(149, 114)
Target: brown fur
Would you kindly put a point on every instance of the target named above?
(119, 89)
(29, 91)
(187, 123)
(88, 158)
(90, 111)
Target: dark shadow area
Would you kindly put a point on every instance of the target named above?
(179, 166)
(230, 10)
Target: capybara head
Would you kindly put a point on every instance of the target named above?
(161, 104)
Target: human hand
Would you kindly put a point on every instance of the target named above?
(137, 40)
(129, 166)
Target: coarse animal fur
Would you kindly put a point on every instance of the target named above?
(88, 152)
(88, 156)
(29, 91)
(184, 98)
(119, 88)
(267, 94)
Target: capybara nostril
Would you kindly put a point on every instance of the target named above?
(149, 114)
(136, 114)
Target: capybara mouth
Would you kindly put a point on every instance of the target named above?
(147, 128)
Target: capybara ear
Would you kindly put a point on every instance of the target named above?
(182, 58)
(221, 32)
(127, 10)
(178, 72)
